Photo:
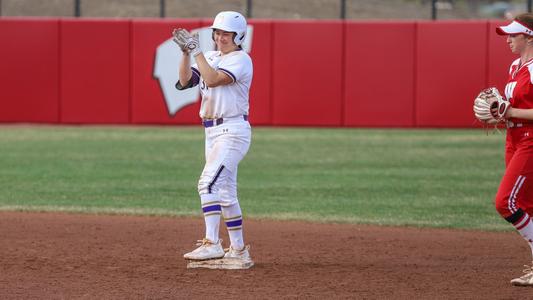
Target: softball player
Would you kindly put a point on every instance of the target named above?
(224, 77)
(514, 199)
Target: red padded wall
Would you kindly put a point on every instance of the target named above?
(148, 103)
(307, 73)
(101, 71)
(95, 71)
(451, 70)
(29, 70)
(500, 57)
(261, 91)
(379, 74)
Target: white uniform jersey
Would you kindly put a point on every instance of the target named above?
(230, 100)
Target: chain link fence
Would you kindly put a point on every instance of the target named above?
(271, 9)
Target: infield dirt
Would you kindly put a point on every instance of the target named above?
(53, 256)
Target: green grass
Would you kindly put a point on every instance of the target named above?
(437, 178)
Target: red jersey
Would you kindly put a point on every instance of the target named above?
(519, 88)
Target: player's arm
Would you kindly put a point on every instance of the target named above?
(191, 44)
(519, 113)
(187, 77)
(211, 77)
(185, 70)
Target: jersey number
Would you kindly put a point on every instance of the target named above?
(204, 86)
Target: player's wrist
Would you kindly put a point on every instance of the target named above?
(510, 113)
(196, 52)
(194, 49)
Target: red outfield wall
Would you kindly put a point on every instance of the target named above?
(147, 102)
(306, 73)
(29, 70)
(94, 71)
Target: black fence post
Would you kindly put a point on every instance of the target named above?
(162, 8)
(77, 8)
(248, 9)
(433, 9)
(343, 9)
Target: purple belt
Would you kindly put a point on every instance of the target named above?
(215, 122)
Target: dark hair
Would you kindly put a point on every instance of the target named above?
(525, 19)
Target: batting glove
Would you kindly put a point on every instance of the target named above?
(178, 39)
(192, 42)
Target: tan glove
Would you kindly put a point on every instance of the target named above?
(490, 107)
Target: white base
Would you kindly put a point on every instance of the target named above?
(227, 263)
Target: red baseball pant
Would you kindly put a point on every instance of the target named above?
(515, 194)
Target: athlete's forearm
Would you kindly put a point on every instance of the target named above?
(210, 76)
(185, 70)
(520, 113)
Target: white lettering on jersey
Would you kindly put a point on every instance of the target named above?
(514, 64)
(509, 89)
(167, 59)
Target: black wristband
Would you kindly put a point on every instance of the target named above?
(180, 87)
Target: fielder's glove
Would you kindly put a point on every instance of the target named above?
(490, 107)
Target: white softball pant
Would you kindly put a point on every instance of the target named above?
(225, 146)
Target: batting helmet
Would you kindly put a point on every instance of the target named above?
(231, 21)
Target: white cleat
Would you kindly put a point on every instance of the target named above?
(242, 254)
(207, 250)
(233, 260)
(526, 280)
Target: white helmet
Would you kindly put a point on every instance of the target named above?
(231, 21)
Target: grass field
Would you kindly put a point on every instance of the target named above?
(437, 178)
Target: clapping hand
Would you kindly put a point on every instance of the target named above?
(188, 43)
(178, 39)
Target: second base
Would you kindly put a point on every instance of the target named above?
(228, 264)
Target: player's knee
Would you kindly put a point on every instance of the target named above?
(228, 196)
(515, 216)
(203, 187)
(228, 202)
(502, 207)
(207, 186)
